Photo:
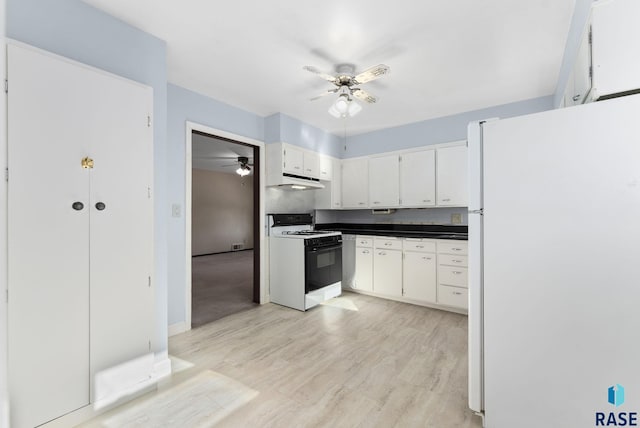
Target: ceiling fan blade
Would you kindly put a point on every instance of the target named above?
(372, 73)
(364, 95)
(329, 91)
(325, 76)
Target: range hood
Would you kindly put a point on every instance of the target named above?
(296, 182)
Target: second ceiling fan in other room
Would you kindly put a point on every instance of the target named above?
(346, 82)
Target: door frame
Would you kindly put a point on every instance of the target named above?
(259, 243)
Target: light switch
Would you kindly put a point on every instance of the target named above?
(176, 210)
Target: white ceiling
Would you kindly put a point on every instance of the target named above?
(204, 149)
(446, 57)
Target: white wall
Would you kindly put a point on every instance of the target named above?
(222, 211)
(4, 402)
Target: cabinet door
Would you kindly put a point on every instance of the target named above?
(387, 272)
(355, 183)
(292, 160)
(418, 179)
(336, 184)
(384, 181)
(121, 237)
(49, 126)
(311, 163)
(452, 176)
(364, 269)
(419, 276)
(326, 168)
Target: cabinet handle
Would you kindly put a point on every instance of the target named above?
(376, 202)
(337, 204)
(388, 244)
(419, 246)
(308, 169)
(427, 258)
(365, 251)
(456, 249)
(360, 203)
(446, 200)
(382, 253)
(455, 272)
(576, 97)
(426, 200)
(456, 261)
(78, 206)
(296, 167)
(100, 206)
(457, 293)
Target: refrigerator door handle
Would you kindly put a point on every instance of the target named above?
(480, 211)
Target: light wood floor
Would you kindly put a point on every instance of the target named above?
(358, 362)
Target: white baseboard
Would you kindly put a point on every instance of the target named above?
(177, 328)
(161, 369)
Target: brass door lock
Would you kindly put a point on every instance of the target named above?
(87, 163)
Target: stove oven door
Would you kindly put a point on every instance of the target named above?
(323, 266)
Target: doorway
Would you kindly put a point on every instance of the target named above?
(224, 214)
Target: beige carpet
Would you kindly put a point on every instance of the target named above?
(222, 284)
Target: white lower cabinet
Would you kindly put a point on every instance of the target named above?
(363, 279)
(429, 271)
(452, 274)
(387, 267)
(419, 271)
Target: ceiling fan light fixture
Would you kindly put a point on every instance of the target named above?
(344, 107)
(243, 170)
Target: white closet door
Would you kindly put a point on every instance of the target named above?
(121, 234)
(48, 239)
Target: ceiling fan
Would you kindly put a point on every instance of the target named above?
(346, 82)
(242, 162)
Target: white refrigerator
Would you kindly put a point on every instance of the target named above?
(554, 269)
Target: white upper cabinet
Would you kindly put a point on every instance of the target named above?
(452, 188)
(292, 160)
(331, 196)
(418, 179)
(355, 183)
(384, 184)
(311, 164)
(615, 35)
(326, 168)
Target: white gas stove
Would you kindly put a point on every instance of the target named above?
(305, 265)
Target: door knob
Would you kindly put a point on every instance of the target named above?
(100, 206)
(77, 206)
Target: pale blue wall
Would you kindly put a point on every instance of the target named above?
(183, 106)
(578, 23)
(282, 128)
(434, 131)
(76, 30)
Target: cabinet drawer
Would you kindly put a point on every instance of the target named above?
(364, 241)
(452, 260)
(451, 275)
(419, 245)
(388, 244)
(453, 296)
(455, 247)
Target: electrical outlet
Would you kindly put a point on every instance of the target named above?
(176, 210)
(456, 218)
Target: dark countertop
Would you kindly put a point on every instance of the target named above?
(433, 231)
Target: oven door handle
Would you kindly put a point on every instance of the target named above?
(316, 249)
